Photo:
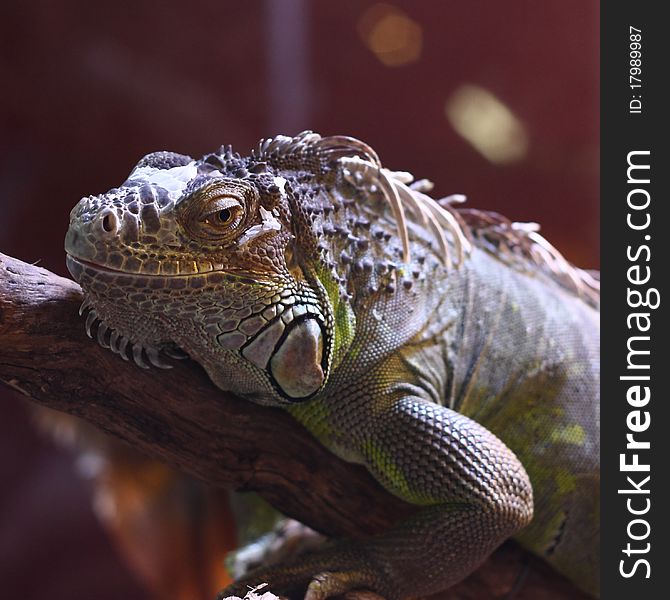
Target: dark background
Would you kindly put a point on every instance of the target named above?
(88, 88)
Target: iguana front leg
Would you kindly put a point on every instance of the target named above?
(474, 491)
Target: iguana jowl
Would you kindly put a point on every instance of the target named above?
(407, 335)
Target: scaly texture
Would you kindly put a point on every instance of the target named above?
(407, 335)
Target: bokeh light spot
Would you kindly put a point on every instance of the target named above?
(391, 35)
(487, 124)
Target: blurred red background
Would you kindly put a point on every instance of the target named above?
(498, 101)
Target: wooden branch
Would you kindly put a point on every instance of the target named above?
(180, 417)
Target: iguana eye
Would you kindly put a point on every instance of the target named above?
(224, 217)
(222, 213)
(219, 218)
(217, 213)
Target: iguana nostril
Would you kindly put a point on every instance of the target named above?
(109, 222)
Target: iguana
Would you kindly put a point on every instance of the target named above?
(453, 353)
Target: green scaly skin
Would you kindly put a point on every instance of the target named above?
(287, 275)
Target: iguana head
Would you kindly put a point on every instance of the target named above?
(217, 258)
(247, 264)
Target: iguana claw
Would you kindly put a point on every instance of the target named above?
(329, 583)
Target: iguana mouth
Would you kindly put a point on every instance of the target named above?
(98, 267)
(77, 266)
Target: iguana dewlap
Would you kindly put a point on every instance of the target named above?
(451, 352)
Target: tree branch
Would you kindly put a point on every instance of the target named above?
(179, 417)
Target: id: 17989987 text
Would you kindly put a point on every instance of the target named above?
(635, 70)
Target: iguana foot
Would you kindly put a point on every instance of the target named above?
(317, 576)
(328, 584)
(287, 541)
